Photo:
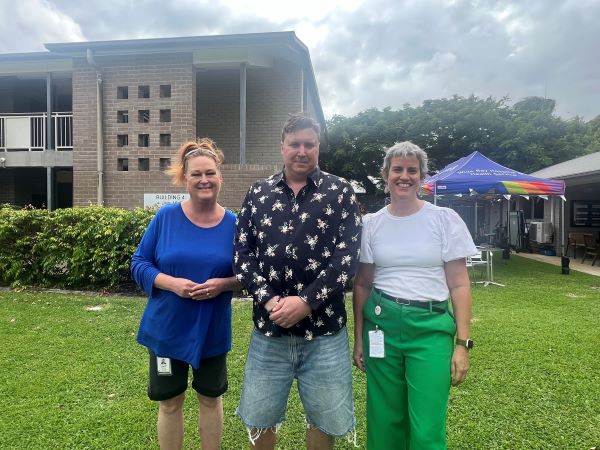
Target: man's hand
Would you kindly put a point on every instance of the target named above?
(289, 311)
(270, 304)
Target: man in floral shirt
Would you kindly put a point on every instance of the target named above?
(296, 247)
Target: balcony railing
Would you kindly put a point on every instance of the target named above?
(28, 131)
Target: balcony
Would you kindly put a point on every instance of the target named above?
(19, 132)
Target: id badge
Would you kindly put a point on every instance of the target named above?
(376, 347)
(163, 366)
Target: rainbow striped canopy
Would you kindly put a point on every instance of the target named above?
(476, 173)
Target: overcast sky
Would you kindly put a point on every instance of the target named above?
(366, 53)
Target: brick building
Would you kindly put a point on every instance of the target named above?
(150, 95)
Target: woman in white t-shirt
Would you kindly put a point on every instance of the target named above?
(412, 261)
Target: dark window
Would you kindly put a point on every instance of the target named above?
(123, 164)
(164, 163)
(144, 91)
(165, 115)
(122, 92)
(143, 140)
(144, 115)
(165, 90)
(122, 116)
(165, 140)
(122, 140)
(144, 164)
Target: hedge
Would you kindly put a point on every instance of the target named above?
(71, 248)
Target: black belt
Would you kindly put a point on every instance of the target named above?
(419, 304)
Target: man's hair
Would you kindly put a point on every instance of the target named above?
(300, 121)
(402, 150)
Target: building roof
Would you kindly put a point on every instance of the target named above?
(582, 166)
(283, 44)
(179, 43)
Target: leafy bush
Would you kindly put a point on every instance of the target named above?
(74, 247)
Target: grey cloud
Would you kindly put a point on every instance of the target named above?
(384, 53)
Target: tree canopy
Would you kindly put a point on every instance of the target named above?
(526, 136)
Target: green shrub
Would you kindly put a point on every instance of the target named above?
(74, 247)
(19, 230)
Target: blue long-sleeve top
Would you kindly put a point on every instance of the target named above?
(172, 326)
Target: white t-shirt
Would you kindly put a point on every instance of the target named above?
(409, 252)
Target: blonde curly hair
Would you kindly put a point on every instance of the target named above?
(191, 149)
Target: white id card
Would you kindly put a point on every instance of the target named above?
(163, 366)
(376, 347)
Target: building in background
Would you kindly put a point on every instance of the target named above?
(97, 122)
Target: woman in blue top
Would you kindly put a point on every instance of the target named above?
(184, 264)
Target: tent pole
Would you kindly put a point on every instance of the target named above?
(508, 222)
(476, 225)
(562, 228)
(435, 192)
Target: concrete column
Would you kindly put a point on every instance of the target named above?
(49, 139)
(49, 130)
(49, 188)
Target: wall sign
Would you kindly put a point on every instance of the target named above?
(151, 200)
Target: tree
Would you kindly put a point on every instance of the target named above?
(525, 137)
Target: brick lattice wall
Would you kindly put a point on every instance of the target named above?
(126, 189)
(204, 103)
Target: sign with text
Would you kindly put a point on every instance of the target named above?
(151, 200)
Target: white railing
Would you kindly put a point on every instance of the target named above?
(63, 131)
(28, 131)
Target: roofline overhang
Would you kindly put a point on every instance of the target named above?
(194, 43)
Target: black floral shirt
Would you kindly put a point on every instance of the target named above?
(305, 245)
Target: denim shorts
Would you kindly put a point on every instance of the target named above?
(324, 373)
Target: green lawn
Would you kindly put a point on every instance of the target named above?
(74, 378)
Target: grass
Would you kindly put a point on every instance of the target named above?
(75, 378)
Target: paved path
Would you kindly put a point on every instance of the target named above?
(586, 267)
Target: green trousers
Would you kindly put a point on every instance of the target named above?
(407, 389)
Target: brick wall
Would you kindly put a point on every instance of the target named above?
(271, 94)
(126, 188)
(218, 115)
(237, 179)
(201, 104)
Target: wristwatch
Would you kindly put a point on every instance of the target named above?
(466, 343)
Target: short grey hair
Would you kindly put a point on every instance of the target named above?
(402, 150)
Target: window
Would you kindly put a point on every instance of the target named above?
(122, 116)
(122, 164)
(164, 163)
(165, 115)
(165, 140)
(143, 140)
(585, 213)
(122, 140)
(144, 91)
(143, 164)
(122, 92)
(144, 116)
(165, 90)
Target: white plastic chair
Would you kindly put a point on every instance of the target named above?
(476, 261)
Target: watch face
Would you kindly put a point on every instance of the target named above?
(467, 343)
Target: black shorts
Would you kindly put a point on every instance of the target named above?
(209, 380)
